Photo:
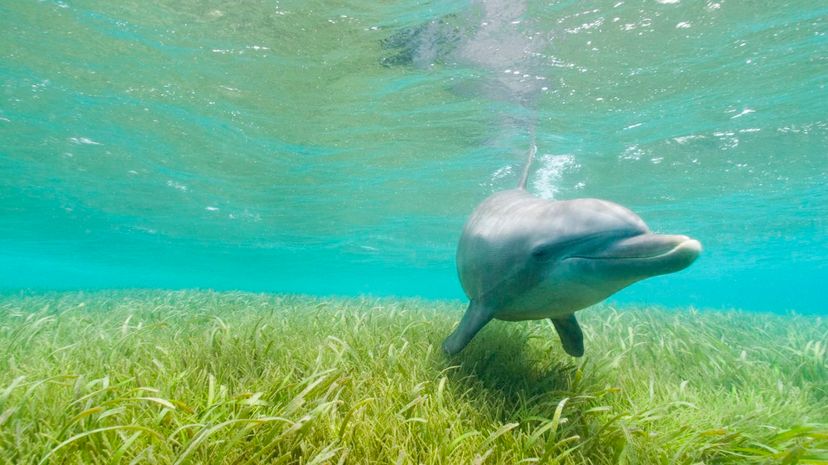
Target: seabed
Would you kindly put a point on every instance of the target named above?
(200, 377)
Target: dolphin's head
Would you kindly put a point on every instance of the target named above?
(598, 247)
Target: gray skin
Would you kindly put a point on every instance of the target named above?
(525, 258)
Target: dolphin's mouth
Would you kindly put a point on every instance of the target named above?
(647, 248)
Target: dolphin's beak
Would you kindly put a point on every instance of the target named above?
(647, 254)
(650, 246)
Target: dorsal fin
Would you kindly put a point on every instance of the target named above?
(531, 156)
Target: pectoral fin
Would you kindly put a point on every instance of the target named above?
(570, 333)
(473, 320)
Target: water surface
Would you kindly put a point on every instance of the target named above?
(337, 147)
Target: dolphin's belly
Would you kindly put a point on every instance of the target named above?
(547, 300)
(522, 316)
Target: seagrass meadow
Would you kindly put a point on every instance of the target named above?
(197, 377)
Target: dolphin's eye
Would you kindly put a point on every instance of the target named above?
(560, 248)
(549, 250)
(540, 254)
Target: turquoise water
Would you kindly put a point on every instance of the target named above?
(338, 147)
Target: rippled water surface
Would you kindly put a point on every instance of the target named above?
(338, 146)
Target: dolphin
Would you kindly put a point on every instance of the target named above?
(521, 257)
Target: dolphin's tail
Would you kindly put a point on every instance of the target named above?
(533, 148)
